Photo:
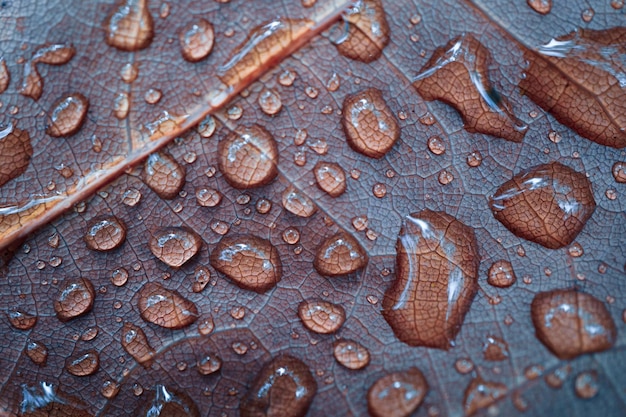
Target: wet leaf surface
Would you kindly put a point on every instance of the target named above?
(149, 79)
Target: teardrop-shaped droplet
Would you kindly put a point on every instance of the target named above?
(397, 394)
(164, 175)
(351, 354)
(571, 323)
(495, 349)
(129, 26)
(209, 364)
(37, 352)
(436, 279)
(67, 115)
(83, 364)
(248, 157)
(340, 254)
(284, 387)
(270, 102)
(175, 245)
(75, 299)
(330, 177)
(250, 262)
(333, 82)
(5, 76)
(321, 316)
(20, 319)
(32, 83)
(367, 32)
(196, 40)
(295, 202)
(369, 125)
(480, 394)
(165, 308)
(164, 402)
(15, 153)
(501, 274)
(135, 343)
(548, 204)
(105, 234)
(540, 6)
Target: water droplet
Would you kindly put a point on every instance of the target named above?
(360, 222)
(153, 96)
(330, 178)
(367, 31)
(586, 384)
(174, 245)
(163, 402)
(270, 102)
(129, 72)
(397, 394)
(109, 389)
(83, 364)
(420, 312)
(263, 206)
(333, 82)
(67, 115)
(285, 386)
(299, 158)
(5, 76)
(319, 146)
(556, 378)
(206, 127)
(105, 234)
(480, 394)
(436, 145)
(37, 352)
(238, 312)
(239, 348)
(308, 3)
(196, 40)
(321, 316)
(300, 138)
(248, 157)
(121, 106)
(287, 77)
(587, 15)
(464, 366)
(617, 4)
(312, 92)
(119, 277)
(351, 354)
(291, 235)
(209, 364)
(164, 175)
(369, 125)
(575, 250)
(131, 197)
(338, 255)
(129, 26)
(135, 343)
(618, 170)
(495, 349)
(379, 190)
(501, 274)
(75, 299)
(533, 372)
(208, 197)
(250, 262)
(474, 159)
(445, 177)
(206, 326)
(15, 153)
(548, 204)
(571, 323)
(165, 308)
(295, 202)
(20, 319)
(243, 199)
(540, 6)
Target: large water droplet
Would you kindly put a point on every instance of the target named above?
(436, 279)
(501, 274)
(129, 26)
(540, 6)
(37, 352)
(284, 387)
(330, 177)
(52, 54)
(351, 354)
(67, 115)
(248, 157)
(338, 255)
(369, 125)
(165, 308)
(250, 262)
(196, 40)
(548, 204)
(15, 153)
(397, 394)
(367, 31)
(164, 175)
(295, 202)
(164, 402)
(175, 245)
(571, 323)
(480, 394)
(75, 299)
(105, 234)
(135, 343)
(321, 316)
(83, 364)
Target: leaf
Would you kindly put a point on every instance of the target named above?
(92, 175)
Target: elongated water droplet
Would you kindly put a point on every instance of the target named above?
(75, 299)
(121, 106)
(351, 354)
(83, 364)
(20, 319)
(15, 153)
(164, 175)
(338, 255)
(196, 40)
(37, 352)
(135, 343)
(129, 26)
(165, 308)
(330, 177)
(367, 31)
(52, 54)
(501, 274)
(5, 76)
(295, 202)
(480, 394)
(174, 245)
(397, 394)
(105, 234)
(321, 316)
(67, 115)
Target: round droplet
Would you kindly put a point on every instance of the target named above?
(37, 352)
(135, 343)
(15, 153)
(83, 364)
(209, 364)
(379, 190)
(571, 323)
(238, 312)
(131, 197)
(109, 389)
(397, 394)
(312, 92)
(474, 159)
(248, 157)
(445, 177)
(206, 326)
(220, 227)
(75, 299)
(119, 277)
(436, 145)
(270, 102)
(575, 250)
(540, 6)
(105, 234)
(153, 96)
(588, 14)
(480, 394)
(175, 245)
(291, 235)
(129, 72)
(250, 262)
(338, 255)
(619, 172)
(360, 222)
(284, 387)
(67, 115)
(263, 206)
(495, 349)
(129, 26)
(21, 320)
(586, 384)
(295, 202)
(164, 175)
(234, 113)
(165, 308)
(501, 274)
(330, 178)
(369, 125)
(239, 348)
(287, 77)
(208, 197)
(464, 366)
(206, 127)
(321, 316)
(617, 4)
(196, 40)
(351, 354)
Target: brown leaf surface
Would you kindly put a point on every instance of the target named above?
(250, 328)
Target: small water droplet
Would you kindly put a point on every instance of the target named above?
(83, 364)
(119, 277)
(540, 6)
(196, 40)
(338, 255)
(619, 171)
(312, 92)
(291, 235)
(617, 4)
(533, 372)
(206, 127)
(153, 96)
(436, 145)
(481, 394)
(300, 138)
(270, 102)
(235, 112)
(464, 366)
(131, 197)
(220, 227)
(404, 390)
(474, 159)
(587, 14)
(611, 194)
(319, 146)
(129, 26)
(575, 250)
(263, 206)
(37, 352)
(298, 203)
(372, 299)
(121, 106)
(351, 354)
(379, 190)
(209, 364)
(240, 348)
(105, 234)
(330, 178)
(445, 177)
(501, 274)
(586, 384)
(67, 115)
(427, 119)
(75, 299)
(287, 77)
(360, 222)
(554, 136)
(208, 197)
(495, 349)
(129, 72)
(165, 308)
(5, 76)
(299, 158)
